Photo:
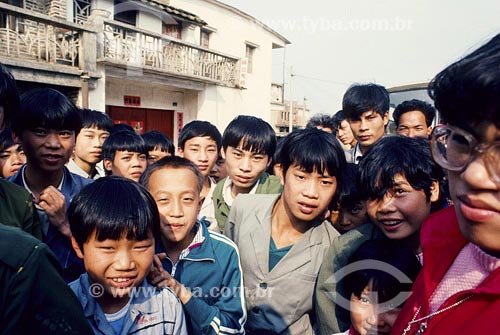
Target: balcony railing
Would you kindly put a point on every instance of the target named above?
(33, 36)
(128, 45)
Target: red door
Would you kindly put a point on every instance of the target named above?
(143, 119)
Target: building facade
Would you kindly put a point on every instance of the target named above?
(155, 64)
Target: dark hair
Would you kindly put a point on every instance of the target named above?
(252, 133)
(313, 149)
(123, 141)
(121, 127)
(6, 139)
(415, 105)
(350, 193)
(113, 207)
(9, 95)
(92, 118)
(322, 120)
(199, 129)
(172, 162)
(410, 157)
(338, 118)
(386, 285)
(361, 98)
(47, 108)
(156, 139)
(468, 91)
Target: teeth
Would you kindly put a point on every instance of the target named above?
(120, 280)
(391, 223)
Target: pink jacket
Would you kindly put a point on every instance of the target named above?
(480, 314)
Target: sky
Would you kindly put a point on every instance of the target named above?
(335, 43)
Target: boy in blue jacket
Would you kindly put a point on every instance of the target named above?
(201, 266)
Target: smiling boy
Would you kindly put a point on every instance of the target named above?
(201, 266)
(458, 290)
(114, 223)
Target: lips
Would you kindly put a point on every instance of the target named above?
(202, 167)
(52, 158)
(122, 282)
(390, 224)
(306, 208)
(476, 211)
(243, 179)
(364, 138)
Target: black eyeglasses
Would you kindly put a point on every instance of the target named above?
(454, 149)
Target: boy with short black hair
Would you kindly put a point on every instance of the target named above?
(114, 222)
(124, 154)
(158, 145)
(47, 124)
(201, 266)
(399, 194)
(458, 290)
(88, 147)
(200, 142)
(282, 238)
(248, 145)
(12, 155)
(366, 107)
(414, 118)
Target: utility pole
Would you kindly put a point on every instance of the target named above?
(290, 114)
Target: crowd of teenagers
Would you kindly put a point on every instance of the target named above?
(337, 228)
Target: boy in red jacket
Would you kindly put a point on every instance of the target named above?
(458, 290)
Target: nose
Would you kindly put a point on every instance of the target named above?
(474, 175)
(203, 156)
(124, 260)
(311, 189)
(245, 164)
(176, 209)
(97, 142)
(386, 203)
(17, 158)
(363, 125)
(52, 140)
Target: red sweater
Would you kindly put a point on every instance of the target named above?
(480, 314)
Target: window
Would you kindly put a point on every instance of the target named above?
(204, 38)
(125, 12)
(172, 30)
(249, 55)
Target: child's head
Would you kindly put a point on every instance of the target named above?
(200, 142)
(9, 97)
(380, 280)
(175, 184)
(312, 165)
(351, 204)
(95, 130)
(11, 154)
(414, 118)
(366, 107)
(114, 222)
(158, 145)
(219, 170)
(248, 146)
(400, 180)
(322, 121)
(343, 129)
(47, 124)
(124, 154)
(467, 95)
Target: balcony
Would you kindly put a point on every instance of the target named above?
(26, 35)
(126, 45)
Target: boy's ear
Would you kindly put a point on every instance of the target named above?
(76, 247)
(386, 118)
(223, 152)
(180, 152)
(435, 191)
(107, 164)
(278, 172)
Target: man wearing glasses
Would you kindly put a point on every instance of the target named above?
(458, 290)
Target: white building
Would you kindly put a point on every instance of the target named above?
(155, 64)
